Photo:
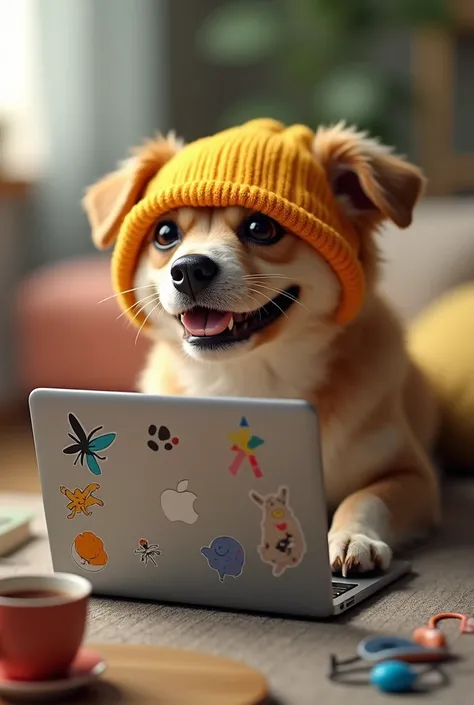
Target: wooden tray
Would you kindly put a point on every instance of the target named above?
(149, 675)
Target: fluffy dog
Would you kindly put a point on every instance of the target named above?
(238, 305)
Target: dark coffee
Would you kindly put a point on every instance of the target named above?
(33, 594)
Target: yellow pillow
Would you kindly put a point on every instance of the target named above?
(441, 340)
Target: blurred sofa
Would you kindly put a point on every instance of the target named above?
(66, 338)
(432, 256)
(69, 332)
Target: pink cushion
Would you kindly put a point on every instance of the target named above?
(66, 338)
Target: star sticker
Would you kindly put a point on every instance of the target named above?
(244, 444)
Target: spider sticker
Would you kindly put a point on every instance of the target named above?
(164, 435)
(148, 552)
(86, 446)
(80, 501)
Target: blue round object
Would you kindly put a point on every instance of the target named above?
(393, 676)
(384, 648)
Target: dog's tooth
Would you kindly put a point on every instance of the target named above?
(231, 323)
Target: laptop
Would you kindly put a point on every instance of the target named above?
(215, 502)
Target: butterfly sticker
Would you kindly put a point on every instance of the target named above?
(85, 446)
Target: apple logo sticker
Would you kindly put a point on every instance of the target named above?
(178, 504)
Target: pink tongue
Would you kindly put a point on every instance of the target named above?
(204, 322)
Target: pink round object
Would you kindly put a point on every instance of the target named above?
(66, 338)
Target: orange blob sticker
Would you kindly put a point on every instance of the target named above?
(89, 553)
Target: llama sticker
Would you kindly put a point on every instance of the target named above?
(282, 542)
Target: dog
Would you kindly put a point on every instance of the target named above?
(237, 305)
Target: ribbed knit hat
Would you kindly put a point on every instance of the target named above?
(261, 165)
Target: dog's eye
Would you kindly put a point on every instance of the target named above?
(167, 235)
(260, 229)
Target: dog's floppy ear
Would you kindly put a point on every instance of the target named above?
(108, 201)
(366, 177)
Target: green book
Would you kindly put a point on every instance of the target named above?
(15, 528)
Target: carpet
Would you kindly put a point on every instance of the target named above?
(294, 653)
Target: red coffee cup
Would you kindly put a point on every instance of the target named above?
(42, 624)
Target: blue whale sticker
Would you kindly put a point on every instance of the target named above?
(226, 556)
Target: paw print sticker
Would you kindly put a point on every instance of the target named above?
(164, 435)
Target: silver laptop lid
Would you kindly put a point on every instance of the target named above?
(216, 502)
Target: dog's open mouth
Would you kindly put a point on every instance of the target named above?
(210, 328)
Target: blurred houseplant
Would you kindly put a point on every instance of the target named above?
(324, 49)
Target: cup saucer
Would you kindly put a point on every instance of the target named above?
(86, 668)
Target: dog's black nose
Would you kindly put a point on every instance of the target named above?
(191, 274)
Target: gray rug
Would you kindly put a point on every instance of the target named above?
(294, 653)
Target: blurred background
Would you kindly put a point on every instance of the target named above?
(81, 81)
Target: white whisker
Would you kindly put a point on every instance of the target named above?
(270, 301)
(137, 303)
(140, 310)
(126, 291)
(258, 305)
(267, 276)
(282, 293)
(146, 319)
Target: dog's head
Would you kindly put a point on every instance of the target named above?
(230, 280)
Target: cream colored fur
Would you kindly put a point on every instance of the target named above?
(378, 417)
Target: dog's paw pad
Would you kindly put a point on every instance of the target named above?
(357, 553)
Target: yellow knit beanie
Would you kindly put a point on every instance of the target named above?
(261, 165)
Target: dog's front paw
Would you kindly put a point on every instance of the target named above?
(349, 553)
